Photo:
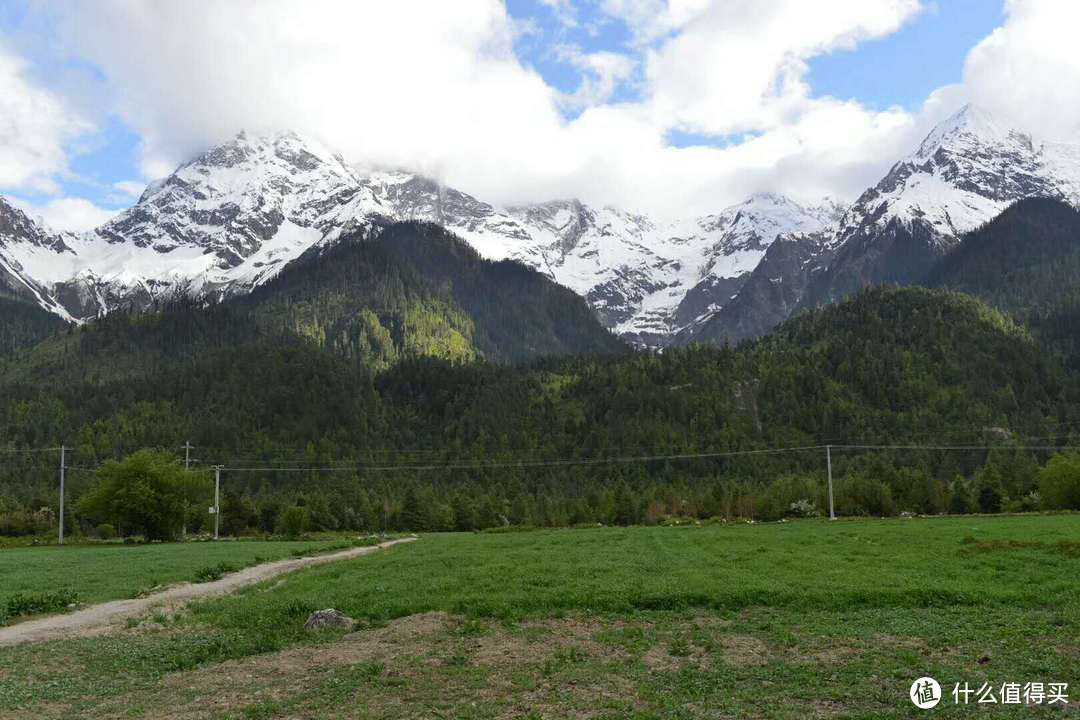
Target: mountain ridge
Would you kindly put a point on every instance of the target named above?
(229, 220)
(965, 172)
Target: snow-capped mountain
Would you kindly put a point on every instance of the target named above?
(224, 222)
(744, 233)
(232, 218)
(20, 234)
(965, 173)
(770, 294)
(637, 273)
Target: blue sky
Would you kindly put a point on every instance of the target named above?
(901, 69)
(905, 67)
(611, 66)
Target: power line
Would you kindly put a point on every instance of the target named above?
(535, 463)
(562, 462)
(30, 450)
(640, 458)
(957, 447)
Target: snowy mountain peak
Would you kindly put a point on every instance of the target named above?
(757, 221)
(965, 172)
(762, 198)
(238, 213)
(236, 197)
(289, 146)
(828, 210)
(970, 127)
(18, 227)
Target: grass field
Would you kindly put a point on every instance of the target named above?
(95, 573)
(791, 620)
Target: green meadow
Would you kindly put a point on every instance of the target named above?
(110, 571)
(782, 620)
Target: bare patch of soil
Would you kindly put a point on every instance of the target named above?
(405, 649)
(743, 650)
(541, 639)
(831, 655)
(658, 659)
(893, 641)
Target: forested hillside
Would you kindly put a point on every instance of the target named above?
(23, 324)
(418, 290)
(558, 440)
(1022, 261)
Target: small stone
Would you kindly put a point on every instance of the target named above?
(329, 618)
(983, 660)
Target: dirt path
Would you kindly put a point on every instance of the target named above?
(99, 619)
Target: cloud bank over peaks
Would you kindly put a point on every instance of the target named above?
(693, 106)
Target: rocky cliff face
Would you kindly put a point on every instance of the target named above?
(769, 295)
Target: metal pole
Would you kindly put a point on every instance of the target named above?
(63, 452)
(828, 462)
(217, 499)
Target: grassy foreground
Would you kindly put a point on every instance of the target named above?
(95, 573)
(794, 620)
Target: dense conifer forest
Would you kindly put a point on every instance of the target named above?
(23, 324)
(410, 385)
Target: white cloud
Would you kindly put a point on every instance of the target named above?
(740, 66)
(130, 189)
(68, 213)
(437, 87)
(649, 20)
(564, 11)
(1028, 70)
(35, 126)
(601, 73)
(408, 83)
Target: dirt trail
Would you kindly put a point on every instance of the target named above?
(99, 619)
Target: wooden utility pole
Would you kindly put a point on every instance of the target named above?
(63, 452)
(187, 466)
(828, 463)
(217, 498)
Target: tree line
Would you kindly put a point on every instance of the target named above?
(149, 494)
(889, 366)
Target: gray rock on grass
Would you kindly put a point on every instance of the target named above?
(329, 618)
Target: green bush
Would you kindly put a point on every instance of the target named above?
(36, 603)
(791, 495)
(106, 531)
(214, 572)
(860, 495)
(146, 492)
(293, 522)
(1059, 483)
